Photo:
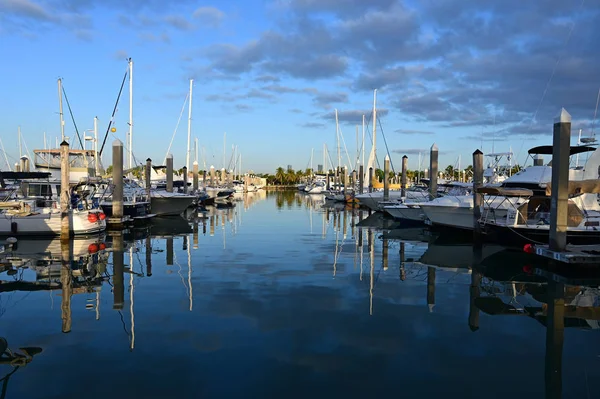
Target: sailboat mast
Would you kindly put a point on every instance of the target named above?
(60, 110)
(363, 140)
(224, 150)
(5, 156)
(337, 137)
(96, 160)
(189, 136)
(312, 152)
(130, 138)
(374, 125)
(196, 149)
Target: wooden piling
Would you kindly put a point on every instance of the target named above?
(386, 178)
(65, 197)
(170, 173)
(433, 171)
(213, 179)
(370, 180)
(117, 195)
(346, 181)
(361, 179)
(477, 198)
(195, 176)
(148, 177)
(403, 177)
(118, 270)
(185, 180)
(560, 181)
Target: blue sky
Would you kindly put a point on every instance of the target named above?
(460, 73)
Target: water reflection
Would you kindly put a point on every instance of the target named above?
(291, 295)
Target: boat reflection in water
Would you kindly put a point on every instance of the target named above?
(314, 291)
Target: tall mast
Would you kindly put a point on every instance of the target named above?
(189, 137)
(60, 110)
(5, 156)
(224, 142)
(130, 138)
(312, 152)
(363, 140)
(374, 124)
(337, 137)
(96, 160)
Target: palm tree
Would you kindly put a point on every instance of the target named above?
(280, 175)
(449, 171)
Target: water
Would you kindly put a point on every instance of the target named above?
(280, 297)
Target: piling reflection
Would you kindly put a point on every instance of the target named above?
(353, 294)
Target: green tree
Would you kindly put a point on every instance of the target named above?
(449, 172)
(280, 175)
(109, 170)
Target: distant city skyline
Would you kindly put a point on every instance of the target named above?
(270, 73)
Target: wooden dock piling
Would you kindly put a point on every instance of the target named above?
(386, 178)
(147, 176)
(195, 176)
(65, 197)
(185, 180)
(170, 173)
(361, 179)
(477, 197)
(403, 177)
(433, 171)
(117, 195)
(560, 181)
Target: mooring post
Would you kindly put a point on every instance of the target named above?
(66, 285)
(148, 176)
(403, 177)
(477, 197)
(65, 198)
(195, 176)
(195, 234)
(386, 178)
(185, 180)
(433, 170)
(204, 178)
(170, 173)
(560, 181)
(346, 181)
(222, 176)
(213, 175)
(538, 160)
(328, 181)
(354, 181)
(431, 288)
(117, 195)
(118, 270)
(361, 179)
(370, 180)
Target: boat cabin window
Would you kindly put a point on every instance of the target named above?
(39, 190)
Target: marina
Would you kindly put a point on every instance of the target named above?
(352, 303)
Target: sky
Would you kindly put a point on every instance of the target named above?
(269, 74)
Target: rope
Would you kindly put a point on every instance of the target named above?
(72, 117)
(112, 117)
(176, 127)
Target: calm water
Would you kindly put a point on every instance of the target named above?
(281, 297)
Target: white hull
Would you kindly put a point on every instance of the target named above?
(460, 217)
(405, 212)
(372, 200)
(49, 224)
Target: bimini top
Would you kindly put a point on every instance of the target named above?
(547, 149)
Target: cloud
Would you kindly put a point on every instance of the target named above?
(120, 55)
(25, 9)
(267, 79)
(179, 22)
(243, 107)
(409, 131)
(353, 116)
(326, 99)
(209, 17)
(313, 125)
(296, 110)
(255, 93)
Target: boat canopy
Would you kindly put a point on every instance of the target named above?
(547, 149)
(577, 187)
(24, 175)
(505, 191)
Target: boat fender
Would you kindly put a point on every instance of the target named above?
(13, 227)
(11, 240)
